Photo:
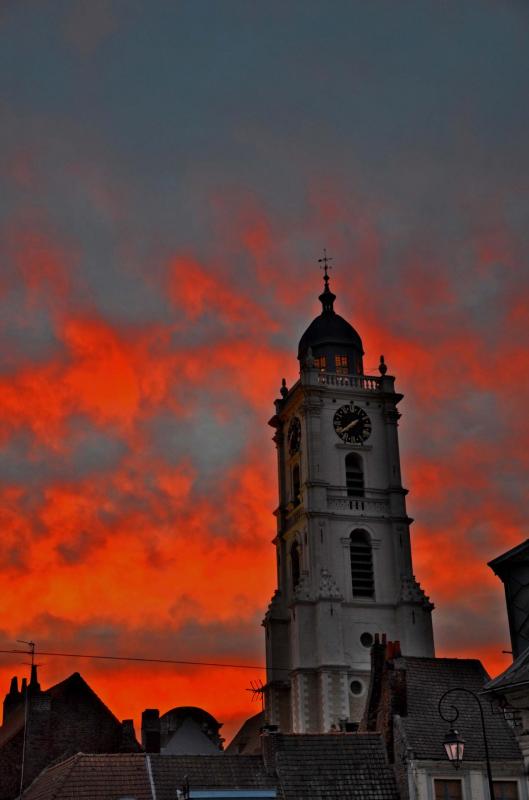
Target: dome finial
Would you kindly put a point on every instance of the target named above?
(326, 298)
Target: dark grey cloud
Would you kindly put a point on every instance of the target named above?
(27, 332)
(393, 133)
(85, 451)
(236, 639)
(470, 623)
(212, 442)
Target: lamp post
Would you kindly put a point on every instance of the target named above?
(454, 744)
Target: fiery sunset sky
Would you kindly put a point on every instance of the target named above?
(170, 172)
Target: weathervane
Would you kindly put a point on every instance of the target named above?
(326, 266)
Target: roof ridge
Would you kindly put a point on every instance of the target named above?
(166, 756)
(439, 658)
(518, 665)
(334, 736)
(76, 677)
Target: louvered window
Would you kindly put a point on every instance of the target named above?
(296, 488)
(295, 564)
(354, 475)
(362, 565)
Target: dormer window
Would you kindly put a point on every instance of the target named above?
(342, 365)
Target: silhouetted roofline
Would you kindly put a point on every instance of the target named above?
(514, 554)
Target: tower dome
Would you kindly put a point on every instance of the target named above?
(334, 344)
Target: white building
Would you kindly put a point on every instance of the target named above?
(344, 566)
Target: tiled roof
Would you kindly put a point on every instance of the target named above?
(516, 674)
(93, 777)
(110, 776)
(326, 767)
(247, 739)
(518, 553)
(426, 680)
(208, 772)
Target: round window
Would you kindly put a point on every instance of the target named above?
(366, 639)
(356, 687)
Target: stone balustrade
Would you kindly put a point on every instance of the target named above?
(368, 383)
(364, 506)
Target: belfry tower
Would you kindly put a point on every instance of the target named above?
(344, 568)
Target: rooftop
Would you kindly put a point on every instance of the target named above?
(426, 680)
(294, 766)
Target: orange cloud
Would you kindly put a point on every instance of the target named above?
(146, 551)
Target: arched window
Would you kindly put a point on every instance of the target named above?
(354, 475)
(362, 565)
(296, 499)
(295, 563)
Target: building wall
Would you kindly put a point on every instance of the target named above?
(421, 777)
(10, 760)
(73, 721)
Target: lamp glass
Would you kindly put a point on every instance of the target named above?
(454, 745)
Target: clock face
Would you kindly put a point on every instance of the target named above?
(294, 435)
(352, 424)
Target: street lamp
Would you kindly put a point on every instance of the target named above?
(454, 744)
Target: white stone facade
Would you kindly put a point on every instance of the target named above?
(317, 629)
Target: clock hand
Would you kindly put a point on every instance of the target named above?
(350, 425)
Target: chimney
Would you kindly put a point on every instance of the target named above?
(270, 738)
(378, 659)
(150, 730)
(397, 681)
(38, 734)
(34, 685)
(12, 700)
(24, 688)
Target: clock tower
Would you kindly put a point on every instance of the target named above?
(344, 567)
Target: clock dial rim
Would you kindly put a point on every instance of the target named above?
(358, 433)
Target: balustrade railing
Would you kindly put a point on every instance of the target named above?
(362, 505)
(369, 383)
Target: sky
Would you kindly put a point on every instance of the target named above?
(170, 172)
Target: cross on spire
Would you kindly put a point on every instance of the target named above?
(327, 298)
(326, 266)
